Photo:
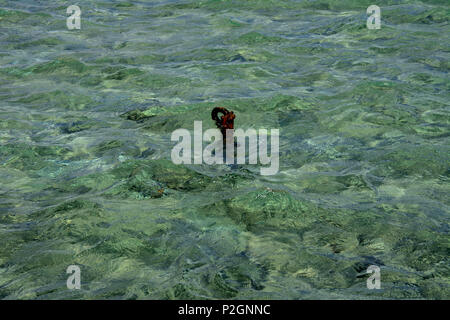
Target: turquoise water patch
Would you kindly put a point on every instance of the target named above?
(86, 118)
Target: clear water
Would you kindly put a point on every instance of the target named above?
(86, 177)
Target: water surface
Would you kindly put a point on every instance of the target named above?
(87, 179)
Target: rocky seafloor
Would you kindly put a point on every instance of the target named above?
(86, 176)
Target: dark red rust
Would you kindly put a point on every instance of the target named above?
(226, 121)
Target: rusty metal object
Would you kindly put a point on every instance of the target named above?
(226, 121)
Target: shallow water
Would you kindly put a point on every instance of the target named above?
(87, 179)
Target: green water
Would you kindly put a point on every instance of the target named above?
(86, 176)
